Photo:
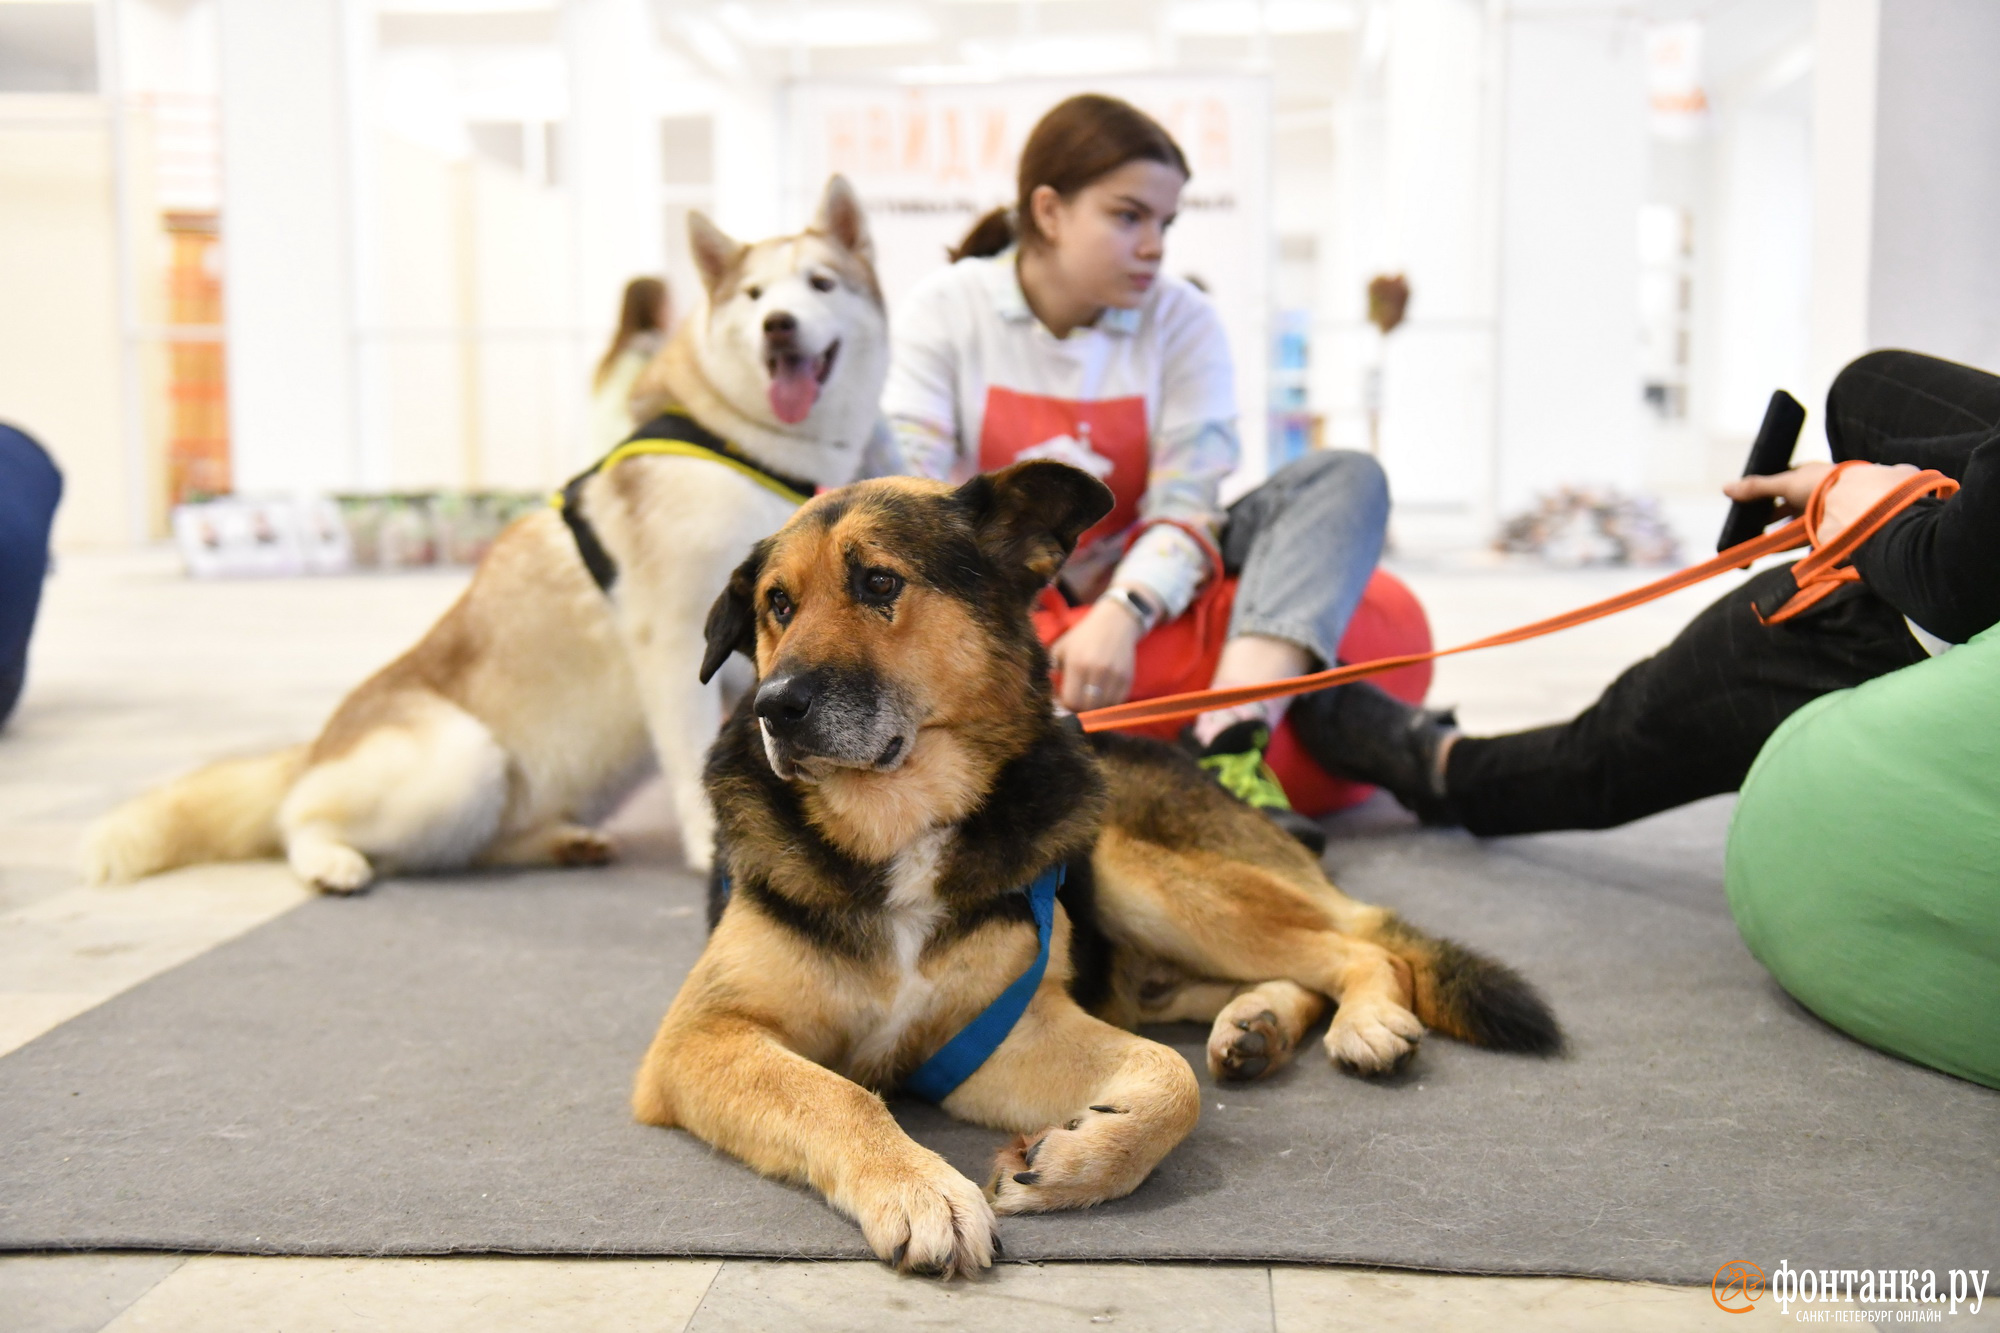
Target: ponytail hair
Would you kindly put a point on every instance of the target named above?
(989, 236)
(1079, 141)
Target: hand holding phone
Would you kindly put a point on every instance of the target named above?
(1770, 454)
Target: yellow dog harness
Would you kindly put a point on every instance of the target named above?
(679, 435)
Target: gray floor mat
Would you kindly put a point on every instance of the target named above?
(442, 1067)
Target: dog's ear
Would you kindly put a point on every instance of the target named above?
(714, 249)
(840, 217)
(732, 621)
(1027, 517)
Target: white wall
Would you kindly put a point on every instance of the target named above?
(288, 278)
(1413, 192)
(1934, 284)
(471, 358)
(749, 146)
(611, 151)
(1575, 159)
(1845, 34)
(1438, 216)
(415, 354)
(59, 345)
(528, 370)
(1761, 285)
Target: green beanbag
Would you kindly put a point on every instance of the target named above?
(1864, 860)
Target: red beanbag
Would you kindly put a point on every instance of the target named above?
(1180, 656)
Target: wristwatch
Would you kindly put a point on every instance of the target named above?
(1141, 608)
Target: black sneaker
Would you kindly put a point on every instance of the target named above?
(1364, 734)
(1235, 759)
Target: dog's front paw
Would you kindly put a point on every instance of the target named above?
(1373, 1037)
(332, 867)
(1247, 1041)
(929, 1220)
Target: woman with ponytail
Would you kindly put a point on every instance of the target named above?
(1056, 334)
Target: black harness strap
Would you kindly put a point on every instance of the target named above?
(673, 432)
(603, 569)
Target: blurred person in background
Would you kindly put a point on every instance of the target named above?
(30, 487)
(642, 325)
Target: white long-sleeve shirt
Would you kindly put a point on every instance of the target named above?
(1144, 398)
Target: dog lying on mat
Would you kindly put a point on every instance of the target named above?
(885, 795)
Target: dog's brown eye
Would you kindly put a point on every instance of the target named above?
(781, 606)
(880, 583)
(753, 292)
(821, 283)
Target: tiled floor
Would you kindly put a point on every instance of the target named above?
(138, 673)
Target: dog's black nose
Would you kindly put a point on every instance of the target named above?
(778, 324)
(784, 702)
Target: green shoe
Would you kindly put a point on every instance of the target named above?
(1235, 759)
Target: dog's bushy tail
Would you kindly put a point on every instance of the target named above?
(227, 811)
(1463, 993)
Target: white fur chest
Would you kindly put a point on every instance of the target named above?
(913, 911)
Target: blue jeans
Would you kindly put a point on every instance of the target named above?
(30, 486)
(1303, 546)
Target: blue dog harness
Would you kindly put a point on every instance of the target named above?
(938, 1077)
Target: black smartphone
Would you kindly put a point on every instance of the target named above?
(1771, 453)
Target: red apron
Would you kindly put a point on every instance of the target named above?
(1106, 438)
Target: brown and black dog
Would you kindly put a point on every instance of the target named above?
(884, 795)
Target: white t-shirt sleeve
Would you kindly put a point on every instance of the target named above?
(1198, 378)
(920, 399)
(1194, 447)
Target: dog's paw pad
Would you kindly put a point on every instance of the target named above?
(1248, 1046)
(583, 847)
(1374, 1039)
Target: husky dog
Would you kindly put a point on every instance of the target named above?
(571, 662)
(894, 796)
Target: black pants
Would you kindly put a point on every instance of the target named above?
(1687, 722)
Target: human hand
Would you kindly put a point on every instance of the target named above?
(1850, 497)
(1095, 658)
(1790, 489)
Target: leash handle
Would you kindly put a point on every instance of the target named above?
(1827, 568)
(1175, 707)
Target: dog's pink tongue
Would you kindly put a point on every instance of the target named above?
(794, 390)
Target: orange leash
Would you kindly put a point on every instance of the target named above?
(1816, 576)
(1826, 568)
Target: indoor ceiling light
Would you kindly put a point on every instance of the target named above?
(1242, 18)
(465, 6)
(817, 25)
(1069, 53)
(961, 73)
